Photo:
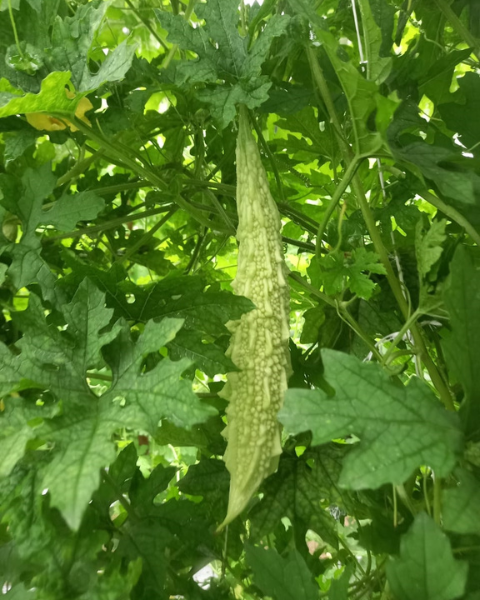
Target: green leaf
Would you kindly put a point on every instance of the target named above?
(337, 274)
(3, 272)
(428, 246)
(281, 578)
(363, 260)
(87, 320)
(426, 568)
(82, 435)
(59, 362)
(211, 480)
(14, 434)
(460, 115)
(72, 39)
(339, 587)
(16, 144)
(143, 490)
(275, 27)
(208, 312)
(50, 99)
(238, 68)
(377, 21)
(461, 505)
(297, 491)
(28, 266)
(147, 540)
(314, 319)
(362, 96)
(68, 210)
(159, 393)
(83, 446)
(446, 167)
(462, 345)
(223, 100)
(113, 68)
(209, 358)
(400, 427)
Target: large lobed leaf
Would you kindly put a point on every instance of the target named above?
(400, 427)
(82, 425)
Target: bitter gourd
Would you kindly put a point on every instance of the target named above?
(259, 341)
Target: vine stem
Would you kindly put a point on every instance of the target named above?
(437, 499)
(110, 224)
(453, 214)
(174, 48)
(79, 168)
(374, 233)
(459, 27)
(117, 151)
(14, 27)
(347, 317)
(398, 338)
(342, 186)
(268, 152)
(341, 310)
(147, 236)
(147, 25)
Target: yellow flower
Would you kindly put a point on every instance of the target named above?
(43, 121)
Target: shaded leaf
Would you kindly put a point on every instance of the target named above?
(462, 345)
(209, 358)
(281, 578)
(461, 505)
(377, 21)
(297, 491)
(426, 567)
(428, 246)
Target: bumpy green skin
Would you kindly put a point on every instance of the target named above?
(259, 342)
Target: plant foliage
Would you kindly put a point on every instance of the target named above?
(118, 213)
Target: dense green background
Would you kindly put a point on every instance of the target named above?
(117, 253)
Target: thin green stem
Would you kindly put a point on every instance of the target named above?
(395, 506)
(147, 25)
(311, 224)
(271, 158)
(123, 187)
(99, 376)
(322, 86)
(109, 224)
(145, 172)
(425, 493)
(196, 253)
(146, 237)
(299, 244)
(396, 288)
(310, 288)
(398, 338)
(347, 317)
(107, 478)
(452, 214)
(14, 27)
(459, 27)
(437, 499)
(79, 168)
(220, 210)
(375, 236)
(174, 48)
(347, 178)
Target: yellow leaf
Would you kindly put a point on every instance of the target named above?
(45, 122)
